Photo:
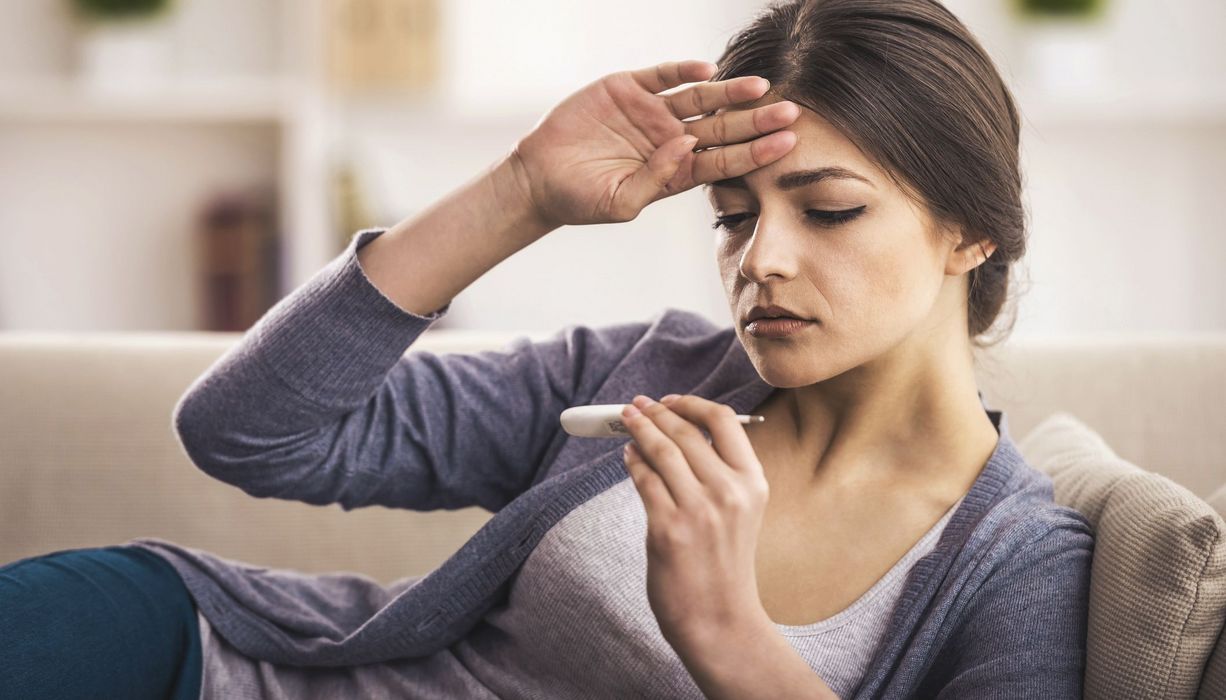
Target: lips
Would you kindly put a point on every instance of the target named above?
(773, 311)
(776, 327)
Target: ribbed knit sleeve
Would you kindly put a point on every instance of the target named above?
(319, 402)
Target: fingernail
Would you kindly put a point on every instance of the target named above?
(630, 411)
(669, 398)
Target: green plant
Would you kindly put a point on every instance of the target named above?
(1060, 9)
(119, 9)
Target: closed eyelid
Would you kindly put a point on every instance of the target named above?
(828, 218)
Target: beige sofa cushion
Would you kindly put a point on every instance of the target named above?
(1213, 685)
(1158, 578)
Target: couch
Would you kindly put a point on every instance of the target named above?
(1131, 428)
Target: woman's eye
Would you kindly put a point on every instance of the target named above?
(834, 218)
(822, 217)
(729, 222)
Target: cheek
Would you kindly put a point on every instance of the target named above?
(893, 274)
(866, 284)
(904, 283)
(728, 262)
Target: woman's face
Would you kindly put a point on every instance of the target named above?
(842, 245)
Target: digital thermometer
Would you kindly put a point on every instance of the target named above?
(605, 420)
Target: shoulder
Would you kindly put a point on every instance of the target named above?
(672, 351)
(678, 335)
(666, 324)
(687, 321)
(1026, 511)
(1038, 516)
(678, 323)
(1027, 538)
(1053, 539)
(1023, 603)
(687, 341)
(672, 346)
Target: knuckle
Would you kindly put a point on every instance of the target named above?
(667, 537)
(754, 147)
(671, 452)
(700, 103)
(720, 127)
(732, 499)
(678, 536)
(755, 116)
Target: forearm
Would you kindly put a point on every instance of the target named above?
(753, 661)
(425, 260)
(259, 414)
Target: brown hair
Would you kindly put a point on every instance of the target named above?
(909, 85)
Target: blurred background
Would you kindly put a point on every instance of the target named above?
(183, 164)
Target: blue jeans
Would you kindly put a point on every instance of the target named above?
(97, 622)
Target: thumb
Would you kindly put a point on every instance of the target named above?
(643, 187)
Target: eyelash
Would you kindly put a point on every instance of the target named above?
(820, 216)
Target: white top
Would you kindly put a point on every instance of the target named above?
(576, 623)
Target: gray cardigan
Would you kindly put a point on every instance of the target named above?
(318, 402)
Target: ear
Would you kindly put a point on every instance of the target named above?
(969, 255)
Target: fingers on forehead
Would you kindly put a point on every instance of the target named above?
(706, 98)
(663, 76)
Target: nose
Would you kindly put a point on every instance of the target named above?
(770, 251)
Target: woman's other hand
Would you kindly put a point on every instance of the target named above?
(617, 145)
(705, 501)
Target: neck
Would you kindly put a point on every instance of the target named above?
(911, 416)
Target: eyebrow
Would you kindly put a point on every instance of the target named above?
(795, 179)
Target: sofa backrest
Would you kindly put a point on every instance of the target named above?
(1157, 400)
(88, 455)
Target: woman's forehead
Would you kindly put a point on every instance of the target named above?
(821, 154)
(819, 143)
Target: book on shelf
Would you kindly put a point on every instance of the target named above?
(239, 259)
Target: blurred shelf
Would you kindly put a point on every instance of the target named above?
(426, 109)
(62, 100)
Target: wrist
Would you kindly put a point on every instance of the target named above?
(514, 186)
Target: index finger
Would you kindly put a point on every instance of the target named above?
(670, 74)
(723, 162)
(727, 434)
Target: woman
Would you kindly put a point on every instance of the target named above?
(879, 535)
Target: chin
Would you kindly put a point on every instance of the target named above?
(784, 375)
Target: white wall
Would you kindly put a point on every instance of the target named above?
(96, 223)
(1123, 223)
(95, 214)
(506, 66)
(1123, 197)
(98, 197)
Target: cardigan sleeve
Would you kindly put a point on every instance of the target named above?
(1023, 634)
(319, 402)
